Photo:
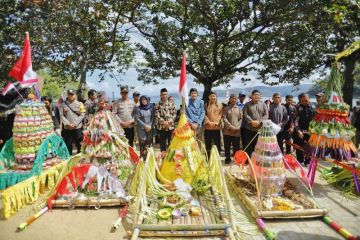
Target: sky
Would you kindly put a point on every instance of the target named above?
(130, 78)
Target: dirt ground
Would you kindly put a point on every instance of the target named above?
(88, 224)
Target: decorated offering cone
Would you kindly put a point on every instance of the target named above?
(183, 157)
(34, 145)
(103, 139)
(33, 148)
(106, 166)
(267, 161)
(32, 125)
(331, 129)
(264, 189)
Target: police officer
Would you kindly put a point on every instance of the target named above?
(72, 114)
(305, 113)
(124, 108)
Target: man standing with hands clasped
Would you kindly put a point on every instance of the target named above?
(165, 114)
(279, 115)
(232, 116)
(305, 114)
(254, 112)
(72, 113)
(195, 112)
(124, 108)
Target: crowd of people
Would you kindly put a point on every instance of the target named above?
(230, 126)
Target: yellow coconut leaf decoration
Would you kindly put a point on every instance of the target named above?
(183, 157)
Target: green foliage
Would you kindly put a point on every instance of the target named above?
(281, 39)
(55, 86)
(70, 38)
(321, 84)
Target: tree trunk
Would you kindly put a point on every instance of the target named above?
(348, 87)
(207, 90)
(82, 84)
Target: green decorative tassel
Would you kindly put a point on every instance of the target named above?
(52, 143)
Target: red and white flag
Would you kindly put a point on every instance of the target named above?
(7, 88)
(28, 83)
(183, 84)
(22, 70)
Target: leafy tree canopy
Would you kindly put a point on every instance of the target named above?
(71, 38)
(276, 39)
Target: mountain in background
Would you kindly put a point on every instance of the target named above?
(268, 91)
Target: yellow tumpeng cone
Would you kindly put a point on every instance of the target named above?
(183, 157)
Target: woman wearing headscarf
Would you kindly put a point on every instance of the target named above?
(144, 117)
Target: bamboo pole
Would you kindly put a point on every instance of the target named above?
(339, 229)
(165, 234)
(228, 201)
(205, 210)
(136, 231)
(142, 189)
(211, 210)
(89, 203)
(32, 218)
(182, 227)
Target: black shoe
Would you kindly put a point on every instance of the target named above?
(227, 161)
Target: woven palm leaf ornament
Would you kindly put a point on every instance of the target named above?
(34, 145)
(183, 157)
(331, 130)
(267, 165)
(267, 161)
(107, 162)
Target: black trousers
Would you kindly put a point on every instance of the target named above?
(212, 136)
(144, 145)
(280, 139)
(246, 136)
(130, 134)
(288, 137)
(71, 137)
(228, 141)
(301, 142)
(165, 138)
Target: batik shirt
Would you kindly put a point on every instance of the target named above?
(165, 112)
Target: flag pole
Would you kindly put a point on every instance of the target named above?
(183, 98)
(19, 93)
(182, 104)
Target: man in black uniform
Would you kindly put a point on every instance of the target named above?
(305, 113)
(289, 127)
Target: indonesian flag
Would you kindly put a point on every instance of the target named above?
(183, 84)
(7, 88)
(22, 70)
(28, 83)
